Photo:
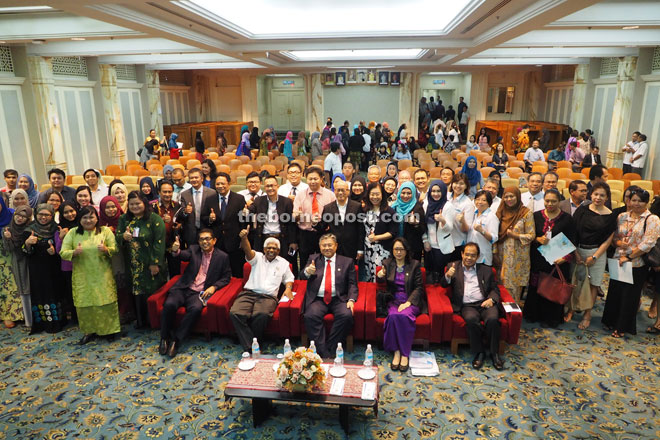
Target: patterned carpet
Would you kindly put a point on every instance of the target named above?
(558, 384)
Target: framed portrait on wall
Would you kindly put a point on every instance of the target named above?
(329, 79)
(371, 77)
(361, 76)
(383, 78)
(341, 78)
(395, 78)
(351, 77)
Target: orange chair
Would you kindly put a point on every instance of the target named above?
(460, 158)
(564, 164)
(112, 169)
(155, 170)
(222, 168)
(235, 174)
(615, 173)
(564, 172)
(270, 168)
(656, 186)
(585, 171)
(131, 162)
(539, 169)
(164, 160)
(234, 164)
(517, 163)
(320, 162)
(578, 176)
(632, 176)
(256, 166)
(426, 165)
(193, 163)
(131, 168)
(435, 172)
(485, 171)
(246, 167)
(139, 172)
(245, 159)
(304, 159)
(485, 160)
(520, 156)
(119, 173)
(153, 162)
(173, 162)
(302, 164)
(455, 153)
(514, 172)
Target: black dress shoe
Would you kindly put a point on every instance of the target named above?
(394, 366)
(162, 348)
(171, 351)
(85, 339)
(498, 363)
(404, 368)
(478, 361)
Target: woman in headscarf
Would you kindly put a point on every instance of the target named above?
(148, 189)
(316, 147)
(46, 287)
(245, 129)
(358, 189)
(517, 230)
(438, 245)
(334, 178)
(109, 214)
(18, 198)
(402, 129)
(199, 146)
(91, 246)
(473, 174)
(244, 147)
(273, 134)
(12, 240)
(68, 219)
(167, 175)
(11, 307)
(392, 170)
(26, 183)
(221, 142)
(410, 218)
(254, 138)
(389, 189)
(173, 146)
(287, 150)
(263, 142)
(120, 192)
(301, 144)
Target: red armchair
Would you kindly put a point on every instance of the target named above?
(430, 327)
(298, 325)
(207, 322)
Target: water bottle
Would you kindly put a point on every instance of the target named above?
(312, 347)
(368, 356)
(255, 349)
(340, 354)
(287, 346)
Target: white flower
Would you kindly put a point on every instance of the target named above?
(297, 367)
(307, 374)
(294, 378)
(303, 362)
(313, 368)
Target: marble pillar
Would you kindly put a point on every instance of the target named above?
(533, 85)
(314, 113)
(200, 92)
(40, 71)
(409, 96)
(250, 108)
(153, 100)
(112, 112)
(625, 89)
(580, 84)
(478, 99)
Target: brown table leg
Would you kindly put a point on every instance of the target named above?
(261, 409)
(343, 417)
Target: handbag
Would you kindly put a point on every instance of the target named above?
(383, 298)
(554, 289)
(652, 257)
(581, 296)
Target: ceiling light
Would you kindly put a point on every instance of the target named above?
(2, 42)
(24, 9)
(360, 67)
(358, 54)
(77, 39)
(444, 73)
(627, 28)
(38, 41)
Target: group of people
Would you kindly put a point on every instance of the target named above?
(96, 253)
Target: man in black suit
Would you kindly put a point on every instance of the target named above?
(191, 201)
(207, 271)
(271, 215)
(341, 218)
(593, 158)
(475, 296)
(224, 215)
(332, 288)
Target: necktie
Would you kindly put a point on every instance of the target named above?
(315, 205)
(293, 190)
(223, 207)
(327, 294)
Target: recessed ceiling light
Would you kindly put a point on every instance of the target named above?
(38, 41)
(2, 42)
(630, 27)
(359, 54)
(77, 39)
(12, 9)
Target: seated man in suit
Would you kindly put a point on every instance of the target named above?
(332, 288)
(593, 158)
(342, 219)
(207, 271)
(475, 296)
(256, 304)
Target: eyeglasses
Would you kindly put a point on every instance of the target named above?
(205, 238)
(44, 214)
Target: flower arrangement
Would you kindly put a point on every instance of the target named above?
(300, 370)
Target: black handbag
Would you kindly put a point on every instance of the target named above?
(652, 257)
(383, 298)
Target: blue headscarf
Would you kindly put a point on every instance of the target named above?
(473, 174)
(435, 206)
(332, 182)
(33, 194)
(403, 208)
(6, 214)
(245, 129)
(172, 143)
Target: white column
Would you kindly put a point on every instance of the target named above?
(153, 97)
(409, 96)
(478, 99)
(314, 118)
(112, 112)
(625, 89)
(249, 99)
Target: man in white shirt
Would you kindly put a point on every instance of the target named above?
(533, 199)
(550, 180)
(253, 188)
(533, 154)
(639, 157)
(256, 304)
(180, 184)
(332, 162)
(294, 183)
(629, 151)
(492, 186)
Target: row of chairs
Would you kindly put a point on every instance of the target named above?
(439, 325)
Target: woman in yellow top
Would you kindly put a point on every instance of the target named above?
(90, 248)
(152, 136)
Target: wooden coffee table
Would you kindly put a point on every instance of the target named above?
(258, 385)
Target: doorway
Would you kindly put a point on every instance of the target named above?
(448, 96)
(288, 110)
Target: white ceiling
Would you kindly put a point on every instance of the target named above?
(281, 36)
